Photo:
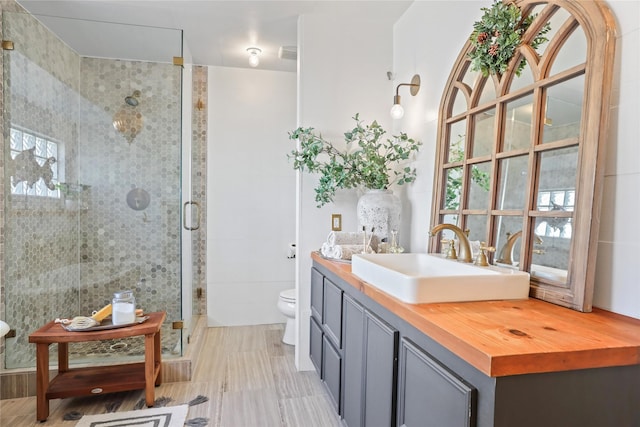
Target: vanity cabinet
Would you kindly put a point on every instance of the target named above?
(315, 345)
(358, 355)
(326, 334)
(332, 314)
(431, 394)
(380, 360)
(370, 357)
(332, 371)
(374, 377)
(353, 320)
(355, 352)
(382, 369)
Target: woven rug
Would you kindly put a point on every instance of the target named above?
(169, 416)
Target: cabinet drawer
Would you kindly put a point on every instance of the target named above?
(315, 345)
(430, 394)
(331, 371)
(316, 294)
(332, 315)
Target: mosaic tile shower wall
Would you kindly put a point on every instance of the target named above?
(199, 185)
(68, 249)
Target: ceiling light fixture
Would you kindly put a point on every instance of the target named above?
(397, 111)
(254, 60)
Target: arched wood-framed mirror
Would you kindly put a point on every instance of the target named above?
(520, 156)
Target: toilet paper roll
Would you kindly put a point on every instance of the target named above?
(291, 253)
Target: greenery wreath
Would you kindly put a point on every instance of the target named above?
(497, 35)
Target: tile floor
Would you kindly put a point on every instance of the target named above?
(246, 372)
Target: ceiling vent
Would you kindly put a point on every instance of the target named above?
(288, 52)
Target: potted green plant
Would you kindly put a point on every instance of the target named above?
(368, 161)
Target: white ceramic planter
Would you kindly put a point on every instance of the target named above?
(379, 209)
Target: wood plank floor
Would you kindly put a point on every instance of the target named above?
(246, 372)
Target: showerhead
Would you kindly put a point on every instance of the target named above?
(133, 98)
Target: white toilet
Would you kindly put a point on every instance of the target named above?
(287, 306)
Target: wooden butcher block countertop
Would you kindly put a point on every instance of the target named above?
(503, 338)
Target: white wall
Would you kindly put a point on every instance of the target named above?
(617, 285)
(250, 194)
(427, 40)
(344, 56)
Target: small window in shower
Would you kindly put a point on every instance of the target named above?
(34, 164)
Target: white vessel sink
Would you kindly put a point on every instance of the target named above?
(422, 278)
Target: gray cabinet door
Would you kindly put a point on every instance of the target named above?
(331, 371)
(380, 372)
(430, 394)
(315, 345)
(332, 315)
(353, 332)
(317, 280)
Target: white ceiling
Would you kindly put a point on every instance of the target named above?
(215, 32)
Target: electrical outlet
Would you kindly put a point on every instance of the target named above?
(336, 222)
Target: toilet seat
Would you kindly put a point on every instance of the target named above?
(289, 295)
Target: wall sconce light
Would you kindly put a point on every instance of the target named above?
(397, 111)
(254, 60)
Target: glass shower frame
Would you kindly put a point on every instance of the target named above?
(68, 248)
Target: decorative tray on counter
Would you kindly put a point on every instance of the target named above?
(105, 325)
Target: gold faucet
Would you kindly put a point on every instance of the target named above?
(506, 253)
(465, 249)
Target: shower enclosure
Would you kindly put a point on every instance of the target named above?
(92, 185)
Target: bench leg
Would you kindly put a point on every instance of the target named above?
(42, 381)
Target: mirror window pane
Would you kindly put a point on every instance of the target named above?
(477, 226)
(557, 180)
(513, 183)
(484, 123)
(572, 53)
(488, 92)
(453, 189)
(447, 234)
(508, 240)
(459, 104)
(563, 110)
(470, 77)
(554, 24)
(524, 79)
(457, 133)
(517, 124)
(550, 255)
(449, 219)
(479, 186)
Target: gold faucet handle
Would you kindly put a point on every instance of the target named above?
(451, 250)
(538, 251)
(481, 259)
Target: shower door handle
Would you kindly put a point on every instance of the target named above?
(184, 216)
